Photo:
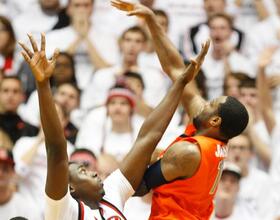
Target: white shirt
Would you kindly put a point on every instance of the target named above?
(117, 191)
(251, 195)
(20, 205)
(96, 92)
(33, 21)
(97, 126)
(33, 176)
(182, 15)
(214, 71)
(105, 44)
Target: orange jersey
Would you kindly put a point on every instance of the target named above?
(192, 198)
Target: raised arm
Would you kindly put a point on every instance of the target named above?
(137, 160)
(42, 69)
(171, 61)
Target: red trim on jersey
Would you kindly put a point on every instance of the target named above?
(81, 211)
(110, 205)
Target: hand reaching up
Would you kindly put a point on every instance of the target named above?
(41, 67)
(195, 65)
(132, 8)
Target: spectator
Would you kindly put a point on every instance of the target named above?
(197, 34)
(222, 57)
(227, 206)
(135, 82)
(241, 153)
(64, 72)
(232, 83)
(13, 203)
(85, 157)
(5, 141)
(46, 14)
(11, 96)
(114, 126)
(132, 43)
(92, 49)
(9, 59)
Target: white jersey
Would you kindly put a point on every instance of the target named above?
(117, 191)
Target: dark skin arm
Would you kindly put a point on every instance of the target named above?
(170, 58)
(135, 163)
(57, 160)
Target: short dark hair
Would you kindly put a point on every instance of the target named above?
(135, 29)
(18, 218)
(136, 76)
(16, 78)
(161, 13)
(223, 15)
(248, 83)
(234, 117)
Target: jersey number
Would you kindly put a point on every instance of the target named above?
(218, 177)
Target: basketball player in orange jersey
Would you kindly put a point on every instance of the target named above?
(186, 176)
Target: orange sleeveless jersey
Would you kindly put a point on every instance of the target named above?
(191, 198)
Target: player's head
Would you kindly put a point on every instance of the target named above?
(224, 117)
(84, 184)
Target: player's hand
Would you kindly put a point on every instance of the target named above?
(132, 8)
(193, 68)
(41, 67)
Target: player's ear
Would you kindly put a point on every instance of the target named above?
(215, 121)
(72, 188)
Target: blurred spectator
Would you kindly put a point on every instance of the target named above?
(183, 14)
(64, 72)
(11, 96)
(106, 164)
(5, 141)
(232, 83)
(227, 205)
(12, 202)
(114, 127)
(135, 82)
(92, 49)
(241, 153)
(85, 157)
(46, 14)
(197, 34)
(222, 58)
(132, 43)
(9, 59)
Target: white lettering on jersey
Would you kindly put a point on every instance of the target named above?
(221, 151)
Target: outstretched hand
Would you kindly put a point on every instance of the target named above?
(41, 67)
(132, 8)
(192, 70)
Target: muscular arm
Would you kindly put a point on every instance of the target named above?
(137, 160)
(57, 161)
(171, 61)
(180, 161)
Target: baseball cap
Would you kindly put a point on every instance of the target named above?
(6, 156)
(232, 168)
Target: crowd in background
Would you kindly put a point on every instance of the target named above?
(108, 79)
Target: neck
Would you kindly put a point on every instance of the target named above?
(210, 133)
(6, 196)
(122, 127)
(245, 171)
(91, 204)
(128, 63)
(225, 208)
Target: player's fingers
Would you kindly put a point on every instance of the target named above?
(25, 56)
(43, 42)
(33, 43)
(25, 48)
(55, 55)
